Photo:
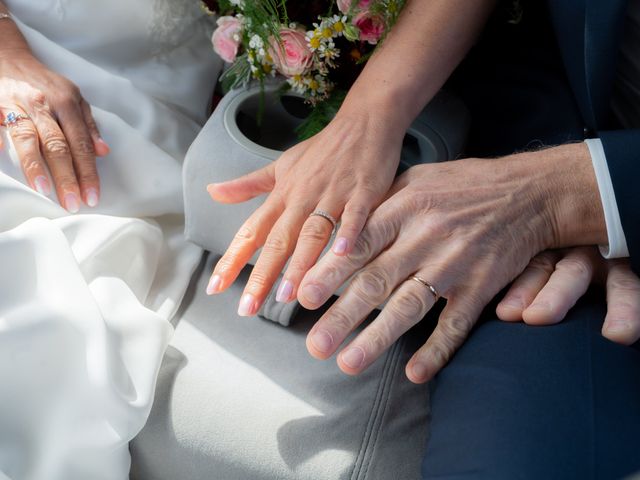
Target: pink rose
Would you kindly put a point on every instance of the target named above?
(345, 5)
(371, 26)
(227, 37)
(291, 56)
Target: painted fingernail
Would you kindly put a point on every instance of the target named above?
(92, 197)
(43, 187)
(353, 357)
(313, 294)
(340, 247)
(616, 326)
(284, 291)
(322, 341)
(419, 371)
(71, 202)
(214, 285)
(103, 147)
(247, 305)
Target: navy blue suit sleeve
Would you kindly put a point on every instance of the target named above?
(622, 148)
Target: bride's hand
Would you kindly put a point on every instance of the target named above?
(52, 129)
(345, 171)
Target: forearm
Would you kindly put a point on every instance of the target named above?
(12, 39)
(429, 40)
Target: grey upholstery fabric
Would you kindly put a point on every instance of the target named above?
(241, 399)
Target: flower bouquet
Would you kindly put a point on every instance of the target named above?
(317, 47)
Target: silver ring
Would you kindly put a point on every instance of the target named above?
(431, 288)
(12, 118)
(328, 216)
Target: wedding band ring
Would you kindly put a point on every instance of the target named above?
(423, 282)
(328, 216)
(12, 118)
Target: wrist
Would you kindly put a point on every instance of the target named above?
(572, 197)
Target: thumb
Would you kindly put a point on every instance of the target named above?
(244, 188)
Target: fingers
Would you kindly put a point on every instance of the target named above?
(455, 323)
(567, 284)
(313, 238)
(525, 288)
(247, 241)
(244, 188)
(352, 222)
(83, 153)
(367, 291)
(27, 144)
(406, 307)
(622, 322)
(101, 147)
(332, 270)
(278, 247)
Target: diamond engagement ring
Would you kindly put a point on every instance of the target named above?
(328, 216)
(5, 15)
(12, 118)
(423, 282)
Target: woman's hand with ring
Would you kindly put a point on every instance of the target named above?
(465, 228)
(343, 172)
(53, 129)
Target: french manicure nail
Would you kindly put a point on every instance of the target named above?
(322, 340)
(92, 197)
(71, 202)
(353, 357)
(43, 187)
(214, 284)
(340, 247)
(313, 294)
(284, 291)
(104, 146)
(247, 305)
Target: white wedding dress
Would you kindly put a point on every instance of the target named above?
(86, 299)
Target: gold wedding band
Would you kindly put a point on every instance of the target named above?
(327, 216)
(423, 282)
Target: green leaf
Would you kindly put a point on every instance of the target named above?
(321, 115)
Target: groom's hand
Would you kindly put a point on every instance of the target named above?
(462, 230)
(555, 280)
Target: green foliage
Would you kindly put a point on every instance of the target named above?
(237, 75)
(321, 115)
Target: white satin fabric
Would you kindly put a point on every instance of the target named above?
(85, 299)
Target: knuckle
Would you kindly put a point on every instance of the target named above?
(625, 283)
(23, 132)
(314, 231)
(259, 280)
(84, 147)
(373, 285)
(543, 262)
(441, 352)
(378, 340)
(31, 166)
(277, 243)
(66, 181)
(89, 178)
(246, 235)
(579, 267)
(340, 320)
(409, 305)
(363, 249)
(626, 312)
(455, 328)
(56, 145)
(37, 98)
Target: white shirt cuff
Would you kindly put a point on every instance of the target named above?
(617, 247)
